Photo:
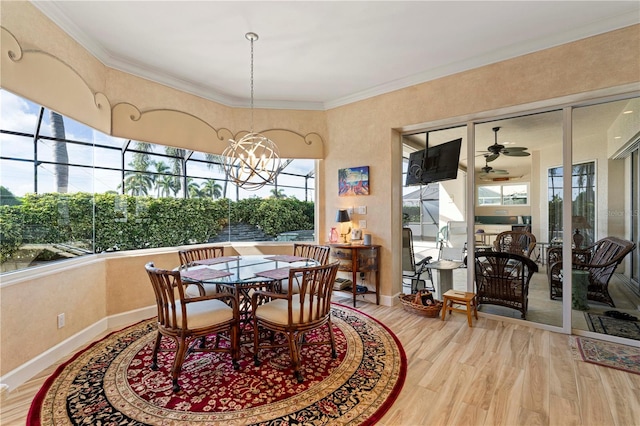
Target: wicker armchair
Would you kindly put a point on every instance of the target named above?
(503, 279)
(516, 242)
(601, 260)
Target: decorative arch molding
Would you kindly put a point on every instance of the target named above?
(184, 130)
(49, 81)
(168, 127)
(292, 144)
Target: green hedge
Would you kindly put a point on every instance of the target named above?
(125, 222)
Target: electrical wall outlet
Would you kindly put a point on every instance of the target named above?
(363, 224)
(362, 209)
(61, 320)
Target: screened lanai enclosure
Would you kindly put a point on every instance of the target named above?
(67, 190)
(421, 211)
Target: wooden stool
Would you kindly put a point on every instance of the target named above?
(461, 298)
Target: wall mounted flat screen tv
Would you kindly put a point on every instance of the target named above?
(440, 163)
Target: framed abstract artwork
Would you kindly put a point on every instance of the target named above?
(353, 181)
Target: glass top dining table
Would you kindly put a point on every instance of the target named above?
(245, 269)
(244, 274)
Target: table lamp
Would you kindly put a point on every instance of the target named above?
(579, 222)
(342, 217)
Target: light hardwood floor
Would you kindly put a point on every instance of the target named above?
(496, 373)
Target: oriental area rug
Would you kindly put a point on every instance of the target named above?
(111, 382)
(607, 354)
(613, 326)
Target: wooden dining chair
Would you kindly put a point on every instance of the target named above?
(185, 319)
(318, 253)
(188, 257)
(295, 314)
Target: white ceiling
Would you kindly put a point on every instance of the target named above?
(321, 54)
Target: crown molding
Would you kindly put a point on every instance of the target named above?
(53, 12)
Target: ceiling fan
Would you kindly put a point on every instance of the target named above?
(496, 149)
(488, 169)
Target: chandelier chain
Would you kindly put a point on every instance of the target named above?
(251, 40)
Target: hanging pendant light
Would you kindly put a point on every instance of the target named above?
(253, 161)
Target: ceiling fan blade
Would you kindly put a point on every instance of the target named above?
(490, 158)
(515, 148)
(500, 172)
(516, 153)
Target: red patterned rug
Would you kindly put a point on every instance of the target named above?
(607, 354)
(111, 382)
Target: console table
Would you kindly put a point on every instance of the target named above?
(358, 258)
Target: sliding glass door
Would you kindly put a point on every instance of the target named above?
(604, 200)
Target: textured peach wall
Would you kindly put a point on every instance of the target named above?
(29, 310)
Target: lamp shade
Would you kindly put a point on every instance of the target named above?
(580, 222)
(342, 216)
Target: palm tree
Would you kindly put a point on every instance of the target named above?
(60, 154)
(177, 168)
(212, 189)
(278, 193)
(138, 183)
(215, 160)
(161, 180)
(141, 160)
(164, 185)
(193, 189)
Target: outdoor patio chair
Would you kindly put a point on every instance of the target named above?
(601, 260)
(412, 270)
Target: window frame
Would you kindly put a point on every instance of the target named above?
(502, 195)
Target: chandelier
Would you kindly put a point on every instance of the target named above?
(253, 161)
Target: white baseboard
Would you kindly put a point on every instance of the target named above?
(26, 371)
